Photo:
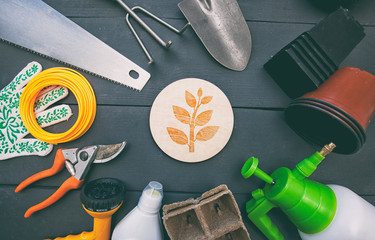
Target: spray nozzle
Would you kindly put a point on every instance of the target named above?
(308, 166)
(101, 198)
(251, 167)
(327, 149)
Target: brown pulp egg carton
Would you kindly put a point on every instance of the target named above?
(214, 215)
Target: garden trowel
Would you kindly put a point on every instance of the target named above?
(222, 29)
(37, 27)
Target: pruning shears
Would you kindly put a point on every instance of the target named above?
(78, 162)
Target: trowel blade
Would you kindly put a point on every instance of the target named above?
(222, 29)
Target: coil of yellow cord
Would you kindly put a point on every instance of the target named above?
(81, 89)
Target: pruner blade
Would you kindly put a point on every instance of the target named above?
(106, 153)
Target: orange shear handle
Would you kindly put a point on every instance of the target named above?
(58, 165)
(69, 184)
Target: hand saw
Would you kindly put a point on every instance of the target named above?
(39, 28)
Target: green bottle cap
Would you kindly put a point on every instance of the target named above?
(251, 167)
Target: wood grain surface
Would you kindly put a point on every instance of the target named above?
(259, 124)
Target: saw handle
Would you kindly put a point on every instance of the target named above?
(69, 184)
(58, 165)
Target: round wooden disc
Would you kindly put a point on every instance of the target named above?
(191, 120)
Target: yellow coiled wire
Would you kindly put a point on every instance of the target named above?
(81, 89)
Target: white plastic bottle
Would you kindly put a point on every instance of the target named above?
(143, 222)
(354, 218)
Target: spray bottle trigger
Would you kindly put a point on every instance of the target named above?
(257, 209)
(257, 194)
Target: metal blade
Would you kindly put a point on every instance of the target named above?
(36, 26)
(106, 153)
(222, 29)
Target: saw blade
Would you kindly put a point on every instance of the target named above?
(37, 27)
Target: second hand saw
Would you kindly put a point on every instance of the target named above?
(34, 25)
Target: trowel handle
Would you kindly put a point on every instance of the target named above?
(257, 212)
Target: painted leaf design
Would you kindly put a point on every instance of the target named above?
(190, 99)
(206, 99)
(203, 118)
(199, 93)
(177, 135)
(207, 133)
(181, 114)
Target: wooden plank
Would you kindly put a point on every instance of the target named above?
(304, 11)
(68, 217)
(259, 133)
(60, 221)
(188, 58)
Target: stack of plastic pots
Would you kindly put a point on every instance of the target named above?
(306, 62)
(338, 111)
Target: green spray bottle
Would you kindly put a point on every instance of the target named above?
(320, 212)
